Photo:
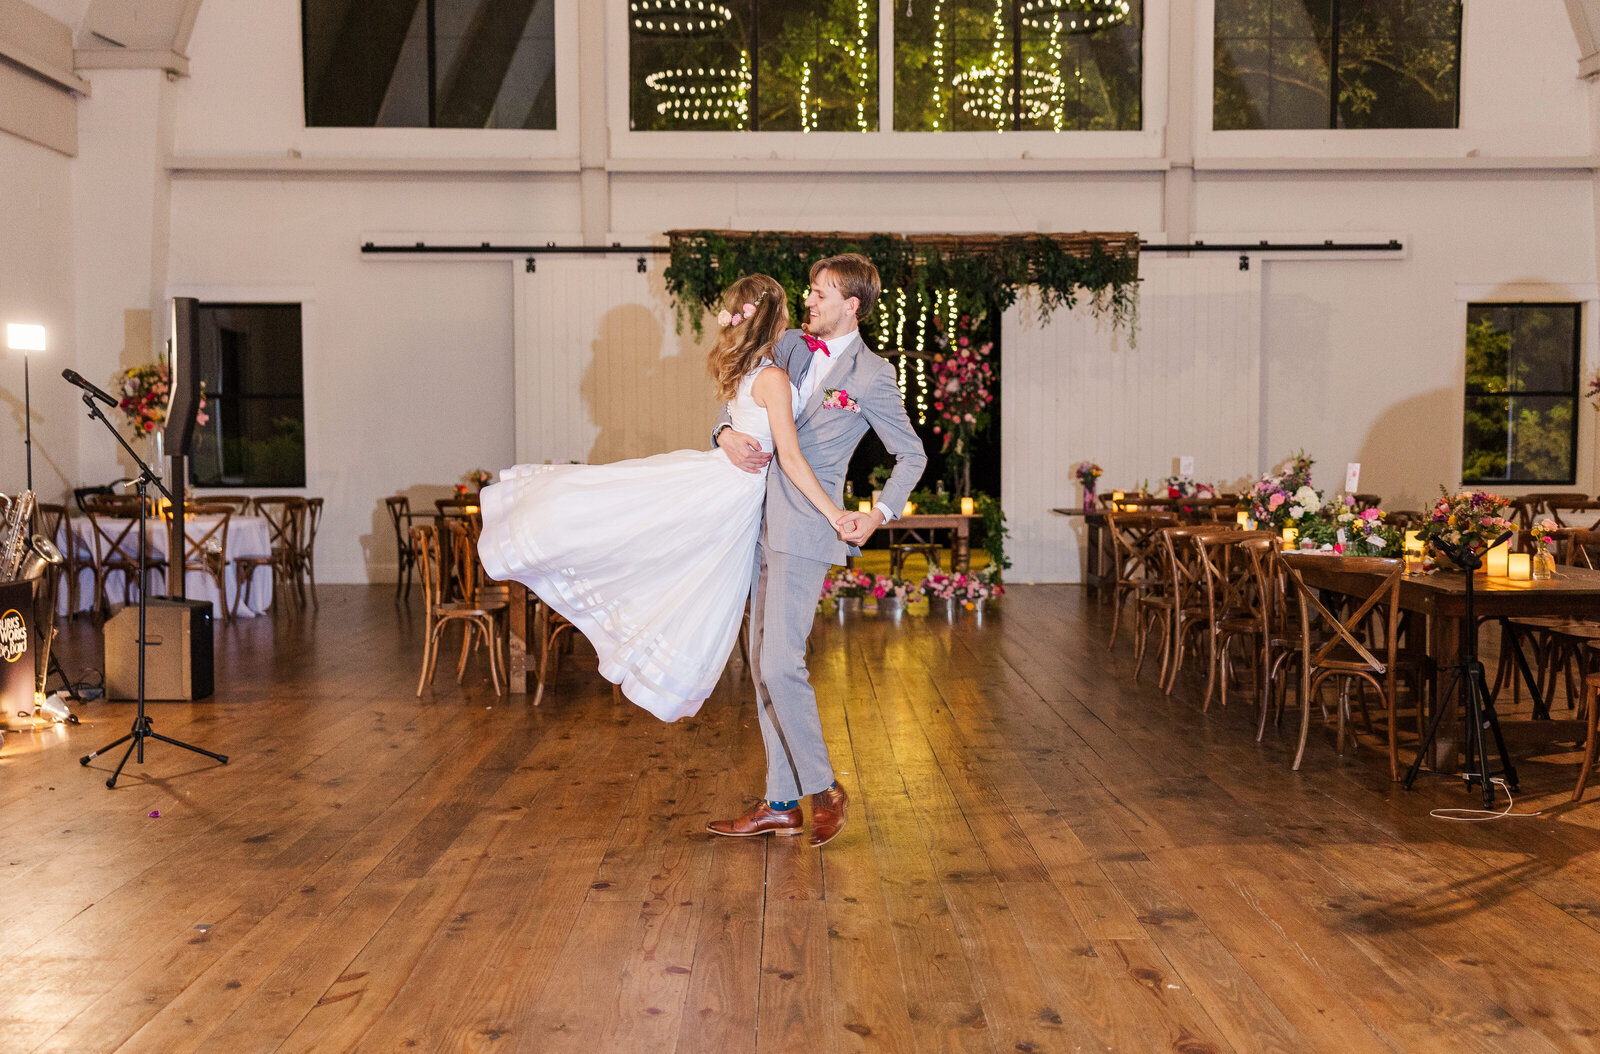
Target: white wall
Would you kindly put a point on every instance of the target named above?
(409, 361)
(36, 287)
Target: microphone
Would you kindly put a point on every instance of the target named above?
(76, 378)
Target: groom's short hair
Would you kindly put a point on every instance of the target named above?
(855, 276)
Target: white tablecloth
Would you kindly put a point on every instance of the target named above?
(247, 536)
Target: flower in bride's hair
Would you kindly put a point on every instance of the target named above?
(724, 319)
(747, 310)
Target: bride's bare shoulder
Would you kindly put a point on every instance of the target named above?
(771, 381)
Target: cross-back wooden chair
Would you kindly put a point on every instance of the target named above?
(1133, 558)
(305, 554)
(206, 551)
(399, 508)
(1234, 605)
(1348, 655)
(285, 516)
(1177, 604)
(116, 548)
(55, 523)
(240, 503)
(1575, 511)
(1559, 645)
(441, 613)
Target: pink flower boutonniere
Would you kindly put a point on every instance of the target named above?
(839, 399)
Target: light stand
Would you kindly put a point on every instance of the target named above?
(1477, 707)
(141, 730)
(26, 338)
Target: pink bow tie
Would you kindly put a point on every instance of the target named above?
(817, 345)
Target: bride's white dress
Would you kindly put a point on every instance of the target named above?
(650, 558)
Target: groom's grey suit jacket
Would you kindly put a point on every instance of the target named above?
(828, 437)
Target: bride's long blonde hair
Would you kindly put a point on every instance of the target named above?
(755, 312)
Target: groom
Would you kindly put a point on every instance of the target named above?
(844, 390)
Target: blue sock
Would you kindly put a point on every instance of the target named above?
(783, 806)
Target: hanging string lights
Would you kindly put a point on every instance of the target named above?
(1074, 16)
(939, 31)
(685, 17)
(703, 93)
(988, 94)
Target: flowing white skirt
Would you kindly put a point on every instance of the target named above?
(650, 559)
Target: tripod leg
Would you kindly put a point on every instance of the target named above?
(1433, 730)
(138, 741)
(1492, 720)
(189, 746)
(105, 749)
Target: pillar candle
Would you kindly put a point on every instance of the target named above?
(1495, 561)
(865, 506)
(1291, 537)
(967, 507)
(1520, 566)
(1244, 520)
(910, 509)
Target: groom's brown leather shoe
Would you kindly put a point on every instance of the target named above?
(760, 819)
(827, 814)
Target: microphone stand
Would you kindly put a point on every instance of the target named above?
(1477, 702)
(141, 730)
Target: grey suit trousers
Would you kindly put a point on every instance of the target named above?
(783, 604)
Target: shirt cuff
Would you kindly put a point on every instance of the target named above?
(887, 515)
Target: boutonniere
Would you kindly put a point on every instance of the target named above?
(839, 399)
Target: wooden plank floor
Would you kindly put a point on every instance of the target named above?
(1042, 856)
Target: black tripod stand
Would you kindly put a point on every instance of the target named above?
(141, 730)
(1477, 705)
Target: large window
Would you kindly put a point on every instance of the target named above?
(250, 363)
(1521, 418)
(753, 65)
(430, 63)
(1337, 64)
(1017, 65)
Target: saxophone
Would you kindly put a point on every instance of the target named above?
(15, 536)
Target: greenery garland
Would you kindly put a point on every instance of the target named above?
(987, 272)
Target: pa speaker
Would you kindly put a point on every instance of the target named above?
(183, 362)
(178, 662)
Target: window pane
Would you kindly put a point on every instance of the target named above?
(957, 62)
(815, 65)
(250, 363)
(1398, 63)
(492, 63)
(1522, 438)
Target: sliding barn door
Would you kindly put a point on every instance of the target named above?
(1072, 390)
(601, 375)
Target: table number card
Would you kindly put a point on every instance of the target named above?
(1186, 466)
(1352, 477)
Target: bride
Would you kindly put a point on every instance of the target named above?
(651, 558)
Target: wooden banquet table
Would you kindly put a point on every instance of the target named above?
(1573, 593)
(960, 525)
(247, 536)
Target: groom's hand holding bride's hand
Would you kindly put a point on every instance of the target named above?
(743, 450)
(857, 527)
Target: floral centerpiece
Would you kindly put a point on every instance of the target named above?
(1270, 500)
(1463, 525)
(476, 479)
(1087, 472)
(1365, 534)
(963, 388)
(144, 392)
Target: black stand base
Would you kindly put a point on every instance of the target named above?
(1479, 715)
(142, 731)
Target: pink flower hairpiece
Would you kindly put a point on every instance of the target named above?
(746, 310)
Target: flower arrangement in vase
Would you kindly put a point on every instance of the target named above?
(961, 589)
(144, 392)
(1284, 498)
(1464, 525)
(1544, 561)
(1087, 472)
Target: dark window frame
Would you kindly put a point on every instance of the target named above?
(1574, 393)
(1334, 24)
(218, 400)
